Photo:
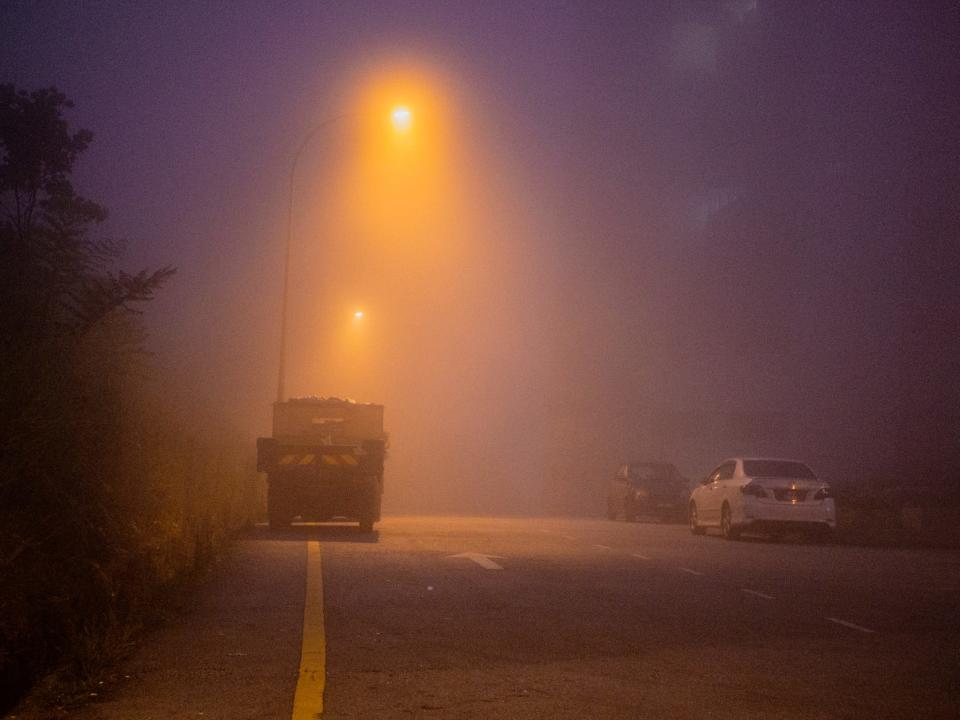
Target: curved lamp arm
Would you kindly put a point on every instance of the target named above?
(281, 379)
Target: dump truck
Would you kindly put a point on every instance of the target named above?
(324, 461)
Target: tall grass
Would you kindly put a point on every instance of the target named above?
(108, 498)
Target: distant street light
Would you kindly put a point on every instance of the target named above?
(401, 118)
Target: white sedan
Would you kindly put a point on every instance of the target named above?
(762, 494)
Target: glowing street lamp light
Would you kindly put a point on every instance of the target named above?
(358, 315)
(402, 118)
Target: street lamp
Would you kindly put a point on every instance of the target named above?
(402, 119)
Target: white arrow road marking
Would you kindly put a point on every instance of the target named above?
(603, 547)
(480, 559)
(861, 628)
(688, 570)
(758, 594)
(642, 557)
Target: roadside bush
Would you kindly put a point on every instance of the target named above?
(107, 500)
(892, 512)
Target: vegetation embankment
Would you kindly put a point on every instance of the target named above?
(890, 513)
(107, 498)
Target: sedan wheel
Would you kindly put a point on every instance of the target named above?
(726, 525)
(695, 527)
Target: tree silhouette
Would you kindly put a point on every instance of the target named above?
(69, 513)
(56, 281)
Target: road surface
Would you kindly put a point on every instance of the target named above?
(551, 618)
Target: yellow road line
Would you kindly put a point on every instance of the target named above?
(308, 699)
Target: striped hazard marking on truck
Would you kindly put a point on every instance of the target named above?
(312, 459)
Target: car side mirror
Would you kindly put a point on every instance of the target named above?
(706, 481)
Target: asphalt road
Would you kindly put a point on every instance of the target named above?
(556, 618)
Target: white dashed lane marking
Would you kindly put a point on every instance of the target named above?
(747, 591)
(851, 625)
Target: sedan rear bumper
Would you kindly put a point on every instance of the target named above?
(769, 526)
(817, 513)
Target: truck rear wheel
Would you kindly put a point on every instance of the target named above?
(369, 516)
(278, 520)
(278, 510)
(370, 512)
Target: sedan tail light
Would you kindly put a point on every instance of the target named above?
(823, 493)
(753, 489)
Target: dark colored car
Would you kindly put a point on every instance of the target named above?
(647, 488)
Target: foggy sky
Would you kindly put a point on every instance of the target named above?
(686, 230)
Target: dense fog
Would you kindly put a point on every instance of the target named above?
(613, 231)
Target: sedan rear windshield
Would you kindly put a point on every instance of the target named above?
(777, 468)
(649, 471)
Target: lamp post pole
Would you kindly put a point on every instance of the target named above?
(401, 118)
(281, 375)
